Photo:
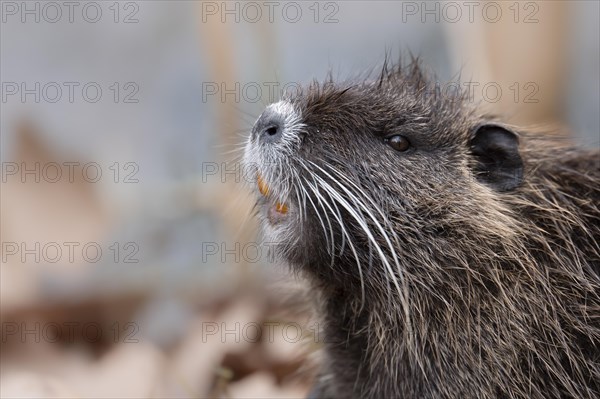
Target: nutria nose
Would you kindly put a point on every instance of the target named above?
(269, 127)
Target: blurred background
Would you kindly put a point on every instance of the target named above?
(130, 264)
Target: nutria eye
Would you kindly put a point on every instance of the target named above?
(398, 142)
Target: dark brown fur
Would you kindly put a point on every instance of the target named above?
(498, 291)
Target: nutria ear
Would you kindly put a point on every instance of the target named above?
(499, 163)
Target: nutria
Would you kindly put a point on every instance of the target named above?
(454, 256)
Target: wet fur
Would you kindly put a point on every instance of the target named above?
(493, 295)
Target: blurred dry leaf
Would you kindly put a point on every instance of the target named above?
(262, 385)
(33, 385)
(44, 212)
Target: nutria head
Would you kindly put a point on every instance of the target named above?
(345, 170)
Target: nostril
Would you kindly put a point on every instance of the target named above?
(269, 127)
(272, 131)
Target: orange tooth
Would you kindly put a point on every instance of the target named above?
(281, 208)
(262, 186)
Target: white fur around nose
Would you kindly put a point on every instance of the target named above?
(292, 122)
(285, 110)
